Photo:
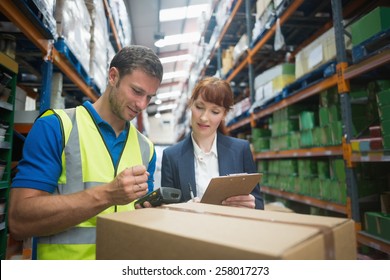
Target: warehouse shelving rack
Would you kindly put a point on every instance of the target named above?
(340, 79)
(51, 59)
(10, 68)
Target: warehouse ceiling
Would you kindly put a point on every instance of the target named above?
(147, 29)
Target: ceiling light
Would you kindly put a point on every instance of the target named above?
(157, 115)
(193, 11)
(178, 39)
(177, 74)
(158, 101)
(175, 58)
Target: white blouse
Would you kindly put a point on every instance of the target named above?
(206, 166)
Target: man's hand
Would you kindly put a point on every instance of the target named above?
(129, 185)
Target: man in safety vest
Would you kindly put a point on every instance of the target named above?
(81, 162)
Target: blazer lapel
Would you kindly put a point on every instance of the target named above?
(187, 167)
(225, 155)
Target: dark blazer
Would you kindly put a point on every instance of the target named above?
(178, 167)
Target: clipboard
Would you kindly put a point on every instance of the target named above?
(223, 187)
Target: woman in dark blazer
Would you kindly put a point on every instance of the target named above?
(207, 152)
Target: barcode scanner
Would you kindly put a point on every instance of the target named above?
(163, 195)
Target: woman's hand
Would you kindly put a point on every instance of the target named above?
(247, 201)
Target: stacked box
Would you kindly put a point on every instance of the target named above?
(315, 188)
(337, 170)
(336, 129)
(307, 138)
(307, 168)
(98, 44)
(317, 53)
(338, 192)
(261, 144)
(74, 25)
(324, 116)
(325, 186)
(370, 24)
(262, 166)
(295, 140)
(323, 169)
(227, 60)
(271, 82)
(378, 224)
(307, 120)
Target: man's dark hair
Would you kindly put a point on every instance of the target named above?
(137, 57)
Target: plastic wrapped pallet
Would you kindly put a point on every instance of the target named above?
(121, 21)
(99, 41)
(74, 26)
(240, 48)
(317, 53)
(272, 81)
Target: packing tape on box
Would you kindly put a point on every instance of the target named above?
(329, 241)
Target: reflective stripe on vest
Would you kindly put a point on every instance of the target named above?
(86, 163)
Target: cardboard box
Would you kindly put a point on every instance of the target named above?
(203, 231)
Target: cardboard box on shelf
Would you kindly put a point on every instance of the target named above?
(202, 231)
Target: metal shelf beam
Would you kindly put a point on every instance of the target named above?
(312, 152)
(311, 201)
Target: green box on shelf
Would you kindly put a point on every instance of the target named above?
(284, 183)
(315, 188)
(323, 169)
(327, 136)
(262, 166)
(325, 185)
(370, 24)
(307, 120)
(343, 193)
(324, 116)
(386, 142)
(337, 170)
(307, 168)
(307, 138)
(305, 186)
(337, 191)
(337, 132)
(385, 126)
(292, 183)
(261, 144)
(383, 97)
(384, 112)
(317, 141)
(260, 132)
(377, 224)
(334, 113)
(329, 97)
(289, 126)
(295, 140)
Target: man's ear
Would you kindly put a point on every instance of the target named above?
(113, 76)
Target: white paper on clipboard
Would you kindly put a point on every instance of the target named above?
(223, 187)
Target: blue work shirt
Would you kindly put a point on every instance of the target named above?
(41, 164)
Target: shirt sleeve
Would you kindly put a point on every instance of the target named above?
(40, 166)
(151, 170)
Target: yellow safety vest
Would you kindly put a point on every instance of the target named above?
(86, 163)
